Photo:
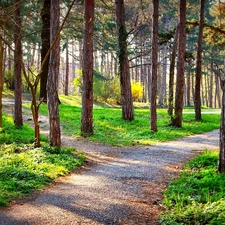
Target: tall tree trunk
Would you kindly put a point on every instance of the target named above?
(218, 92)
(189, 88)
(162, 93)
(177, 120)
(153, 113)
(11, 80)
(18, 119)
(52, 82)
(221, 164)
(67, 69)
(1, 78)
(198, 115)
(87, 89)
(125, 84)
(45, 39)
(171, 74)
(206, 88)
(211, 89)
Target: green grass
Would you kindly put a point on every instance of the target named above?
(111, 129)
(24, 168)
(198, 196)
(11, 134)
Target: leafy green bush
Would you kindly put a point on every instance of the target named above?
(198, 196)
(105, 89)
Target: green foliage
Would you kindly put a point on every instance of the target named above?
(8, 78)
(137, 91)
(26, 168)
(11, 134)
(78, 82)
(105, 89)
(198, 196)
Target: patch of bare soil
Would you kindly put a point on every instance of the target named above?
(117, 185)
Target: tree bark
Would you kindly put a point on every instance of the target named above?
(67, 69)
(52, 82)
(188, 88)
(198, 115)
(1, 78)
(45, 39)
(87, 88)
(211, 89)
(162, 91)
(177, 120)
(171, 74)
(125, 84)
(221, 164)
(153, 108)
(18, 119)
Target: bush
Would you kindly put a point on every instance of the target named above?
(137, 91)
(105, 89)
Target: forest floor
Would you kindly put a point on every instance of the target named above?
(117, 185)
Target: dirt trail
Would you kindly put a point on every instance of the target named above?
(118, 185)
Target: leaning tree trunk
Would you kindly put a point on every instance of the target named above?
(18, 119)
(177, 120)
(87, 89)
(198, 115)
(153, 114)
(125, 84)
(52, 84)
(45, 39)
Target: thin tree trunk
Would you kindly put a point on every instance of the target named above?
(218, 92)
(87, 89)
(67, 69)
(202, 94)
(221, 159)
(188, 88)
(18, 119)
(162, 94)
(211, 90)
(198, 115)
(52, 83)
(171, 74)
(1, 78)
(177, 120)
(125, 84)
(153, 108)
(206, 88)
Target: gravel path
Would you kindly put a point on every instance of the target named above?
(117, 185)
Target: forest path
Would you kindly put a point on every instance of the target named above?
(118, 185)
